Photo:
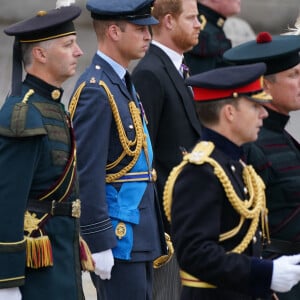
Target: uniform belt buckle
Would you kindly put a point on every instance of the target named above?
(153, 175)
(76, 208)
(53, 205)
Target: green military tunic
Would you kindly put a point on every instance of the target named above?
(207, 54)
(35, 146)
(276, 157)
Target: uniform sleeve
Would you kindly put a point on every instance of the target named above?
(92, 122)
(17, 166)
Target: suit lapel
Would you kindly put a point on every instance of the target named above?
(184, 91)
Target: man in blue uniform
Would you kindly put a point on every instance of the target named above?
(37, 164)
(276, 154)
(207, 54)
(120, 217)
(217, 230)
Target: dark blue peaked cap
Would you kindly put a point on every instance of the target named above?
(279, 52)
(134, 11)
(230, 82)
(45, 25)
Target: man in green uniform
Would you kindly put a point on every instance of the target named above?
(276, 154)
(207, 54)
(39, 254)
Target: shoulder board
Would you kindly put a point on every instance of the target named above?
(198, 156)
(200, 153)
(21, 119)
(203, 21)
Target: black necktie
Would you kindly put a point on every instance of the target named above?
(128, 83)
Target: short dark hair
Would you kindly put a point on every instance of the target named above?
(209, 112)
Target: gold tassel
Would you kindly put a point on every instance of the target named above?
(38, 252)
(87, 263)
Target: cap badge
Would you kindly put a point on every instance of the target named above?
(41, 13)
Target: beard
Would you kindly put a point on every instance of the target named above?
(184, 41)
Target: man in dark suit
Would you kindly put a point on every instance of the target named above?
(120, 217)
(168, 103)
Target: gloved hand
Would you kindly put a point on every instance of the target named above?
(10, 293)
(104, 262)
(286, 273)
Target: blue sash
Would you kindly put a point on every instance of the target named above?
(123, 205)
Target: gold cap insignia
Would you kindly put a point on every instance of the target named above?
(41, 13)
(120, 230)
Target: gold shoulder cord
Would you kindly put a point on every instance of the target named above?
(251, 209)
(130, 148)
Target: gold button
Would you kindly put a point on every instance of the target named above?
(55, 94)
(153, 175)
(120, 230)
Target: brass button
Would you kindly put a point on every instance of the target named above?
(120, 230)
(55, 94)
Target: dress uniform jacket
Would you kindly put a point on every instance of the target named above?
(276, 157)
(207, 54)
(35, 143)
(200, 212)
(170, 110)
(98, 223)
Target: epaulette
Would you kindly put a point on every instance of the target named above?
(94, 78)
(200, 153)
(21, 119)
(198, 156)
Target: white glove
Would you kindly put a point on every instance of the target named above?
(10, 293)
(286, 273)
(104, 262)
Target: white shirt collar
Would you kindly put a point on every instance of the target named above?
(175, 57)
(120, 70)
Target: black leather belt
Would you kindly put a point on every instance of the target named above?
(283, 247)
(54, 208)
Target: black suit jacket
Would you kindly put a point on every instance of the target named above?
(169, 107)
